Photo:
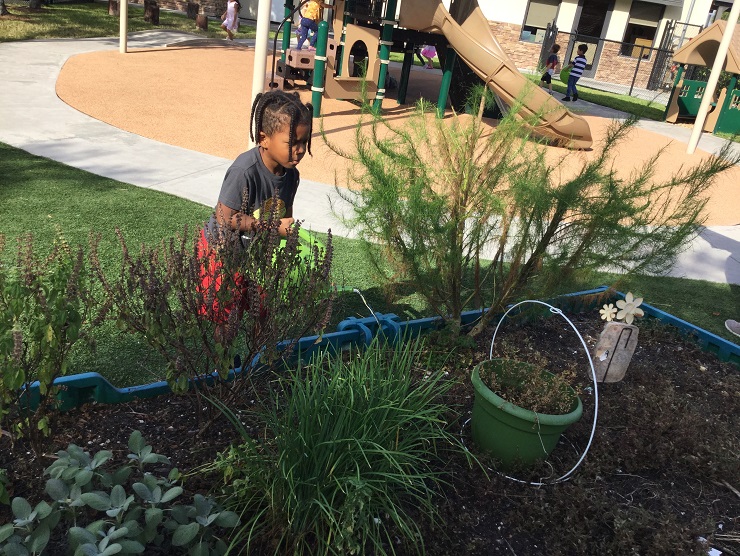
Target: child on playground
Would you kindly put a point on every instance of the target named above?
(429, 52)
(310, 22)
(281, 125)
(577, 65)
(550, 66)
(230, 18)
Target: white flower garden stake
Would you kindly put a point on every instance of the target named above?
(618, 340)
(608, 312)
(629, 308)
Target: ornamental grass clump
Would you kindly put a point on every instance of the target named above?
(477, 217)
(350, 458)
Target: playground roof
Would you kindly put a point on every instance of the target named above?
(701, 50)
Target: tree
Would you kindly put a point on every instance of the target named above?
(479, 218)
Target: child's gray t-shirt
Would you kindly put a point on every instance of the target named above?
(248, 184)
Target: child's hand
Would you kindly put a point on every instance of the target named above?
(285, 224)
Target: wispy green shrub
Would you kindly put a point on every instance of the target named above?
(47, 305)
(477, 217)
(345, 463)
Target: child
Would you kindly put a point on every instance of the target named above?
(281, 125)
(429, 51)
(310, 22)
(230, 18)
(552, 62)
(578, 64)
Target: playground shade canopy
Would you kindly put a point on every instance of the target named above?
(702, 49)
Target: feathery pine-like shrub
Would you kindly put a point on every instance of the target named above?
(476, 216)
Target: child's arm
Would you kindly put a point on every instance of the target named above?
(237, 220)
(234, 219)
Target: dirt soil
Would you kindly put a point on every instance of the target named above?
(660, 476)
(198, 98)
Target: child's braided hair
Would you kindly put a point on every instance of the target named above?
(273, 110)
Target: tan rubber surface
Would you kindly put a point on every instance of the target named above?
(198, 98)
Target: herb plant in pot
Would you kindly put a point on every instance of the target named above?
(520, 409)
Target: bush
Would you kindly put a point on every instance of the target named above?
(159, 294)
(46, 307)
(479, 218)
(349, 458)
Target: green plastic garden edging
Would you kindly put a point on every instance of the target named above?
(78, 389)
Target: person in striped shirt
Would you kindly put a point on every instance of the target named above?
(577, 65)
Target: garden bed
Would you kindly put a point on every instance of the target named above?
(660, 475)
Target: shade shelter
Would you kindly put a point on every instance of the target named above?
(687, 94)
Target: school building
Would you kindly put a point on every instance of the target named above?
(617, 31)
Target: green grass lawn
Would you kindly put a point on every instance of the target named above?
(398, 57)
(91, 19)
(730, 136)
(43, 197)
(637, 106)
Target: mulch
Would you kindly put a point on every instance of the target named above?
(661, 473)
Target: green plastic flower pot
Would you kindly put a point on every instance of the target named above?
(511, 434)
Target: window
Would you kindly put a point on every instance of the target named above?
(539, 14)
(641, 28)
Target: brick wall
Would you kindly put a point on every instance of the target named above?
(612, 67)
(523, 54)
(616, 68)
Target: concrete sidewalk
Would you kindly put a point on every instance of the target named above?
(34, 119)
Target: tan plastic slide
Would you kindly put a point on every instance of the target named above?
(478, 48)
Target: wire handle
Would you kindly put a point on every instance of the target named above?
(557, 311)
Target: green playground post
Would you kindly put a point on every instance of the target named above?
(408, 61)
(287, 28)
(386, 41)
(679, 73)
(319, 68)
(444, 88)
(729, 120)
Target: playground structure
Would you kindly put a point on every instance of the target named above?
(369, 29)
(686, 95)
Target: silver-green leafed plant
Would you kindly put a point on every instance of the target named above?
(121, 510)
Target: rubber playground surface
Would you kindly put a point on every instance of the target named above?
(198, 98)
